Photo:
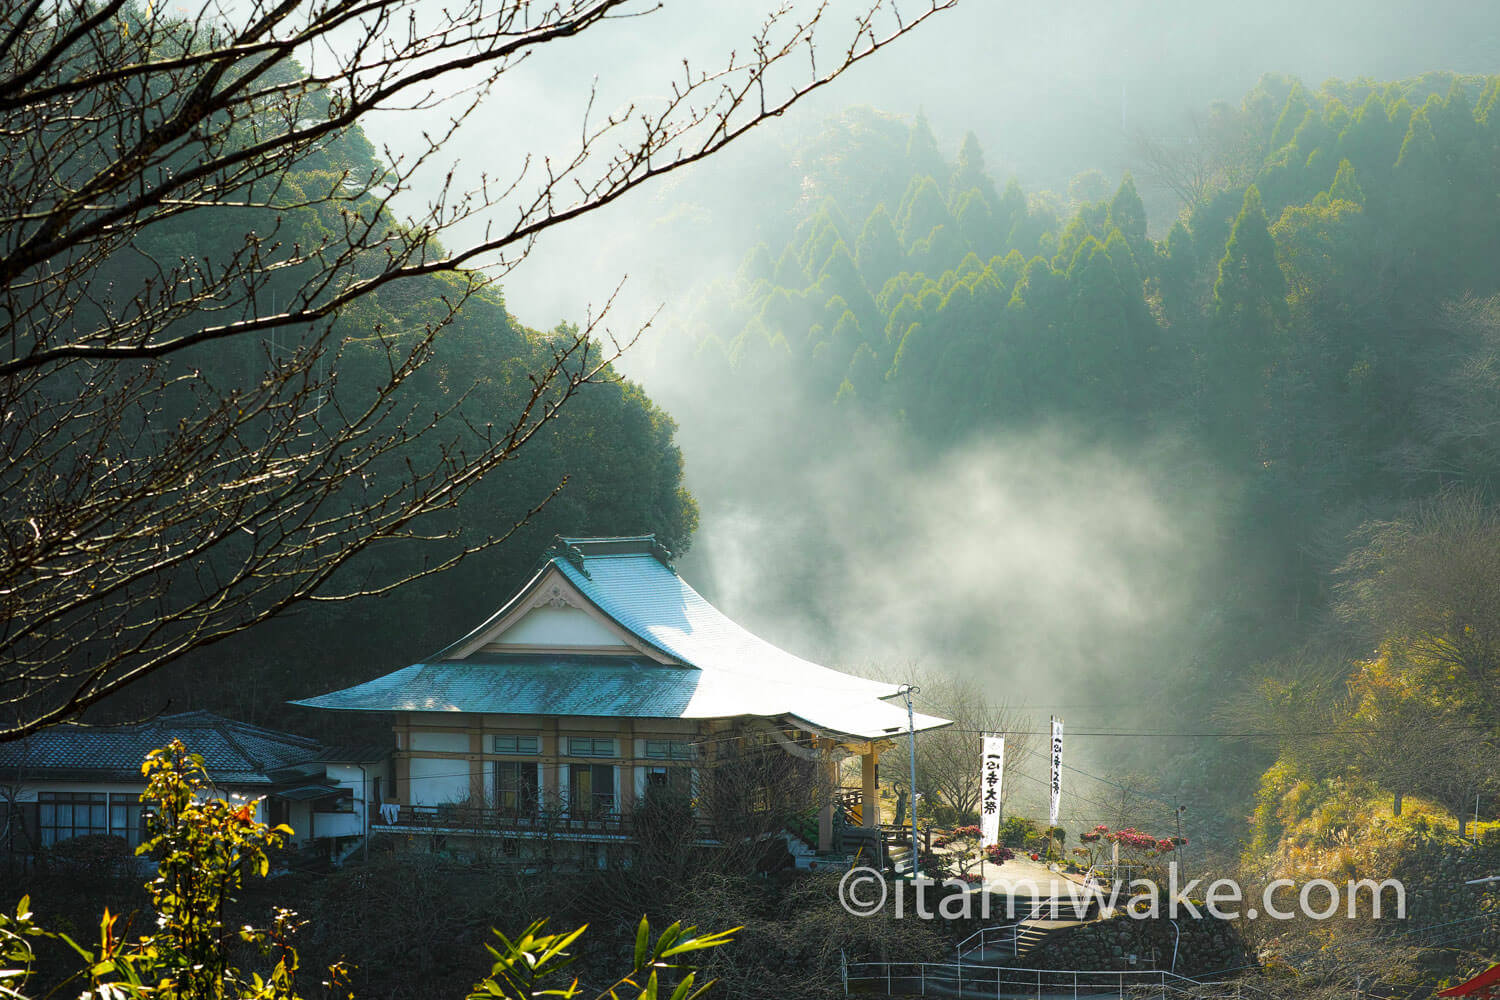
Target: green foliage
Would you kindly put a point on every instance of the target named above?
(1021, 832)
(205, 847)
(529, 966)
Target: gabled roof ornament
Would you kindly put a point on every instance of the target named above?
(563, 548)
(578, 551)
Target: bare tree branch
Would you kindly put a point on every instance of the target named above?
(214, 401)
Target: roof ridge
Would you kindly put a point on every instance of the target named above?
(250, 758)
(279, 734)
(579, 550)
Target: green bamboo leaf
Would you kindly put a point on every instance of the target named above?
(681, 992)
(701, 942)
(668, 939)
(642, 942)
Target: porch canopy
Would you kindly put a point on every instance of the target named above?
(607, 628)
(1484, 986)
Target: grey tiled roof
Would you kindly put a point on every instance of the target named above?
(721, 670)
(234, 753)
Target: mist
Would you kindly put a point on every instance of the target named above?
(1031, 560)
(1050, 90)
(1069, 569)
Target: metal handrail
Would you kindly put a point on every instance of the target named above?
(1044, 982)
(1010, 935)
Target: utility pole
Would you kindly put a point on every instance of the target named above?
(1177, 812)
(911, 753)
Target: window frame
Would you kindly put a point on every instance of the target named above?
(514, 750)
(669, 749)
(521, 769)
(611, 797)
(594, 743)
(131, 815)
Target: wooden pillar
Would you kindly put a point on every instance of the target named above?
(403, 762)
(829, 786)
(627, 768)
(477, 794)
(551, 766)
(869, 789)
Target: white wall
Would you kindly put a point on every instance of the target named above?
(435, 781)
(440, 742)
(558, 627)
(27, 793)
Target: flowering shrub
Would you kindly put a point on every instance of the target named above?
(1132, 838)
(998, 854)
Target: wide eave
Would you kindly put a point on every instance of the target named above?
(690, 662)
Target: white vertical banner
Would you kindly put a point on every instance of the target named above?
(1057, 733)
(991, 788)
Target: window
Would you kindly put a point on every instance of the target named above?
(673, 780)
(515, 787)
(61, 815)
(530, 745)
(591, 789)
(589, 746)
(669, 749)
(341, 803)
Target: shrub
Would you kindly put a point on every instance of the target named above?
(205, 847)
(1018, 831)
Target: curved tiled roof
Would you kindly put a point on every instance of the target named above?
(733, 672)
(234, 753)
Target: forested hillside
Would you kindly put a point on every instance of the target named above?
(1313, 341)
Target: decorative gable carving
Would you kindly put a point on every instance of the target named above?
(555, 598)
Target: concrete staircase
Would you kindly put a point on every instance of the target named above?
(1031, 934)
(900, 859)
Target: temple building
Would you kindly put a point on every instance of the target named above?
(607, 684)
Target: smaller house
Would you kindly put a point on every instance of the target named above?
(72, 780)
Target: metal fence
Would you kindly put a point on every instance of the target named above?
(968, 980)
